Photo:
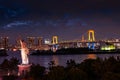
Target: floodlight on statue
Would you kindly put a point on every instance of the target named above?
(24, 53)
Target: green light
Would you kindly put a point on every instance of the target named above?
(108, 47)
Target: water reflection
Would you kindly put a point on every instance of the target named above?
(55, 59)
(91, 56)
(43, 60)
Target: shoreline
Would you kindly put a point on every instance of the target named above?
(74, 51)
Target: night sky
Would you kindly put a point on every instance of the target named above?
(69, 19)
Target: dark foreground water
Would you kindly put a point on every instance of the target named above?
(43, 60)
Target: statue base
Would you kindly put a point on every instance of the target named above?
(23, 69)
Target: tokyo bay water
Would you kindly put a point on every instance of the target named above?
(43, 60)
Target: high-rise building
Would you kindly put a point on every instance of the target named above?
(39, 41)
(31, 42)
(4, 42)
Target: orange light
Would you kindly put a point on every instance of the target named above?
(14, 49)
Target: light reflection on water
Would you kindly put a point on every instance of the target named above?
(91, 56)
(43, 60)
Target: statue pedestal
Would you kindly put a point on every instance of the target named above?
(23, 69)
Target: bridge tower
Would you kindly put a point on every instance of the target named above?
(83, 38)
(91, 39)
(91, 35)
(55, 40)
(55, 43)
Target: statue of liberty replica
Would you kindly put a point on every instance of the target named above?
(24, 53)
(24, 67)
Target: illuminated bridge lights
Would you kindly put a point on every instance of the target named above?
(55, 40)
(91, 38)
(91, 35)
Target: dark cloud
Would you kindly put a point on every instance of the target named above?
(58, 7)
(66, 18)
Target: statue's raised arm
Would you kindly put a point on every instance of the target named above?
(21, 43)
(24, 52)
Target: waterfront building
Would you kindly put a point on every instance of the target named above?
(47, 41)
(4, 42)
(39, 41)
(31, 42)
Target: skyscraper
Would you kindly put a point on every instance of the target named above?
(4, 42)
(31, 42)
(39, 41)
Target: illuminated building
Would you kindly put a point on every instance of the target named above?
(55, 40)
(31, 41)
(47, 41)
(39, 41)
(4, 42)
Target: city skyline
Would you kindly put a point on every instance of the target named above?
(68, 19)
